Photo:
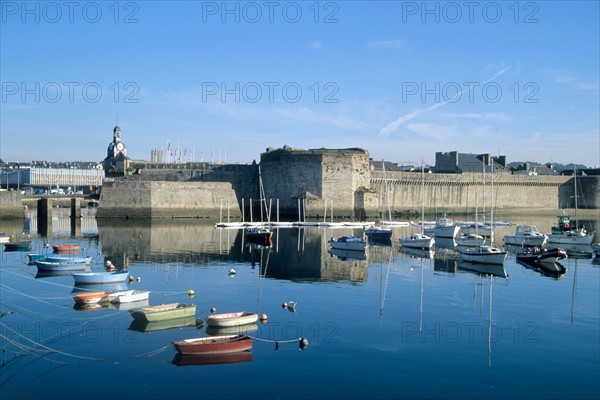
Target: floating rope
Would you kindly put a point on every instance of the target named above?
(153, 352)
(48, 349)
(302, 342)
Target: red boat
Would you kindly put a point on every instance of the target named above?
(90, 297)
(214, 345)
(66, 248)
(259, 234)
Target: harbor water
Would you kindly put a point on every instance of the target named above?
(389, 323)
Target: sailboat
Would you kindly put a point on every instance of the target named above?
(485, 254)
(389, 222)
(419, 240)
(471, 239)
(564, 233)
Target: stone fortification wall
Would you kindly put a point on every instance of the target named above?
(10, 205)
(133, 199)
(329, 182)
(588, 190)
(463, 191)
(316, 177)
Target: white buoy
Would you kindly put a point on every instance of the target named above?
(232, 271)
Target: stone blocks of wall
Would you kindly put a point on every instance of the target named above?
(156, 199)
(10, 205)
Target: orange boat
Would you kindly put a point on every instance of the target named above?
(66, 248)
(90, 298)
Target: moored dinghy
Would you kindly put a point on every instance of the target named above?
(90, 278)
(128, 296)
(164, 312)
(348, 243)
(214, 344)
(231, 319)
(90, 298)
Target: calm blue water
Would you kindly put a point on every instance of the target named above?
(390, 326)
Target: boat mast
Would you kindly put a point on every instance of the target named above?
(387, 198)
(422, 197)
(492, 206)
(575, 182)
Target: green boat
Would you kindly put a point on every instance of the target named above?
(18, 246)
(163, 312)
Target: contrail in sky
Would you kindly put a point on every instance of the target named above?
(392, 126)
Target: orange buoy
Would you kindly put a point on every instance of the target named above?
(263, 318)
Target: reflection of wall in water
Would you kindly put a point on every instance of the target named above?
(297, 254)
(301, 255)
(125, 242)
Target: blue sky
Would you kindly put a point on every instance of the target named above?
(401, 79)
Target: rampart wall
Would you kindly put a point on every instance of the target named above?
(329, 182)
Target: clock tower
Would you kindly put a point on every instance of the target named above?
(116, 161)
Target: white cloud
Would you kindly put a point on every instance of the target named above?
(397, 44)
(573, 81)
(394, 125)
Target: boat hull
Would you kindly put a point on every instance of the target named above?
(570, 238)
(90, 298)
(213, 345)
(348, 243)
(17, 246)
(445, 231)
(91, 278)
(231, 319)
(128, 296)
(483, 255)
(417, 242)
(164, 312)
(66, 248)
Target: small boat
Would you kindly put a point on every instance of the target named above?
(348, 243)
(567, 232)
(164, 312)
(483, 255)
(89, 278)
(66, 248)
(128, 296)
(214, 344)
(445, 228)
(378, 233)
(259, 234)
(538, 255)
(478, 228)
(470, 240)
(526, 235)
(129, 305)
(204, 359)
(23, 245)
(90, 298)
(231, 319)
(61, 263)
(231, 330)
(417, 241)
(58, 267)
